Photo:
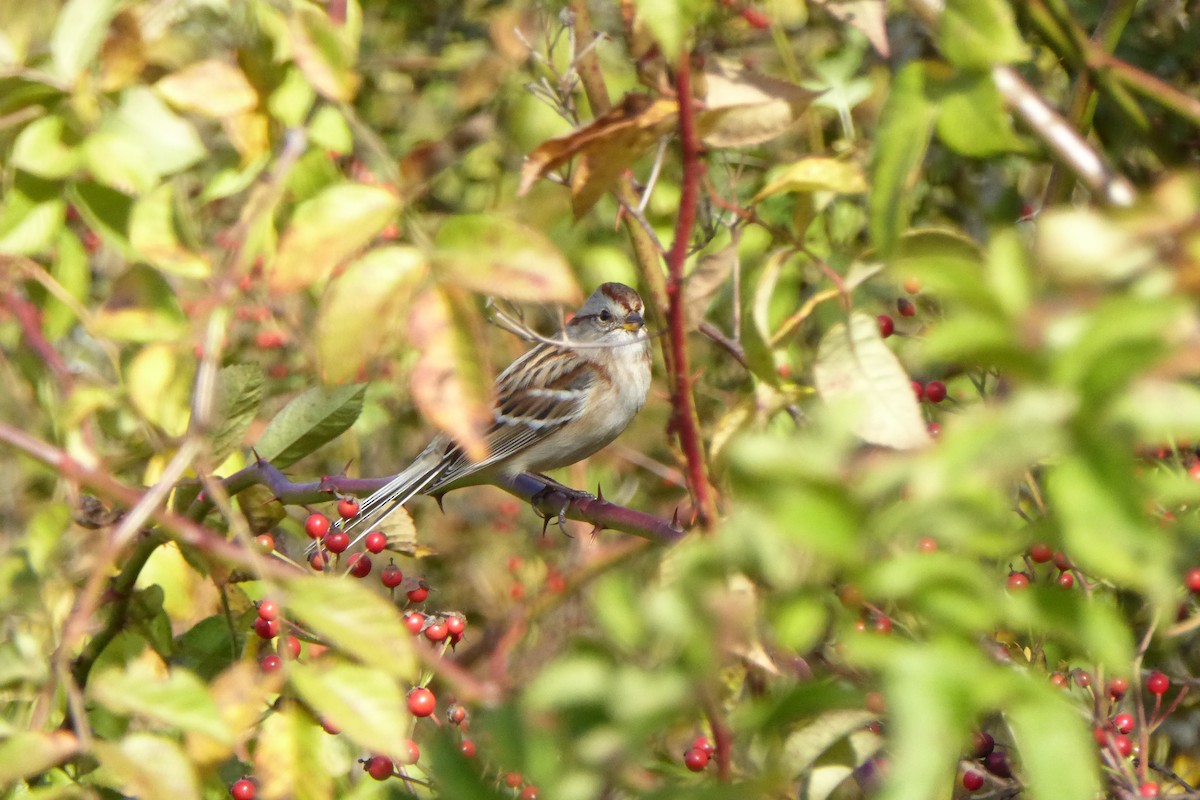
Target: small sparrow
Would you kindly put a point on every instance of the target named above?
(555, 405)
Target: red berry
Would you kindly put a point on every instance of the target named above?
(456, 624)
(243, 790)
(702, 743)
(419, 594)
(972, 781)
(1148, 789)
(379, 768)
(414, 621)
(1058, 679)
(270, 663)
(912, 285)
(437, 631)
(264, 543)
(935, 430)
(1017, 580)
(982, 744)
(513, 779)
(1194, 471)
(695, 759)
(268, 609)
(1117, 687)
(318, 561)
(1066, 580)
(391, 576)
(997, 764)
(1158, 683)
(1193, 580)
(1082, 679)
(456, 714)
(530, 793)
(468, 748)
(1123, 744)
(270, 339)
(360, 565)
(1040, 553)
(883, 625)
(928, 544)
(755, 18)
(293, 647)
(905, 307)
(376, 541)
(412, 753)
(266, 628)
(337, 541)
(918, 390)
(1061, 561)
(1101, 734)
(329, 727)
(421, 702)
(886, 326)
(347, 508)
(316, 526)
(935, 391)
(1123, 722)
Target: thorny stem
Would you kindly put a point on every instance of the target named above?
(686, 425)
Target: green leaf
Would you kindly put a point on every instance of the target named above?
(856, 369)
(152, 235)
(106, 211)
(206, 648)
(78, 33)
(367, 705)
(288, 756)
(357, 621)
(27, 753)
(73, 273)
(905, 126)
(238, 396)
(977, 34)
(806, 745)
(310, 420)
(971, 117)
(815, 174)
(363, 308)
(32, 215)
(142, 307)
(180, 700)
(492, 254)
(668, 21)
(328, 229)
(1058, 755)
(148, 767)
(45, 149)
(142, 141)
(324, 53)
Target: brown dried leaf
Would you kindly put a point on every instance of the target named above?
(744, 108)
(702, 283)
(867, 16)
(446, 382)
(606, 147)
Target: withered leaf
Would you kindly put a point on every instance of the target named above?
(743, 108)
(606, 147)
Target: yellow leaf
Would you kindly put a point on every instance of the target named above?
(210, 88)
(816, 174)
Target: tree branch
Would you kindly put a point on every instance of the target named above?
(684, 420)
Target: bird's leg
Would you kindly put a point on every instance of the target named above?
(553, 487)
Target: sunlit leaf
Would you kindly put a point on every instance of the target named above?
(328, 229)
(152, 235)
(289, 745)
(365, 704)
(31, 216)
(816, 174)
(972, 118)
(363, 309)
(975, 34)
(359, 622)
(140, 142)
(1050, 734)
(310, 420)
(148, 767)
(181, 700)
(142, 307)
(213, 88)
(158, 389)
(855, 367)
(78, 34)
(447, 383)
(494, 255)
(46, 148)
(806, 745)
(323, 53)
(743, 108)
(26, 753)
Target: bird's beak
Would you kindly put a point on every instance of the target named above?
(634, 322)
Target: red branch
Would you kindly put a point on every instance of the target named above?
(684, 420)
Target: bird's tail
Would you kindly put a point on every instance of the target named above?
(380, 504)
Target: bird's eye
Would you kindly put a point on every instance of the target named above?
(605, 316)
